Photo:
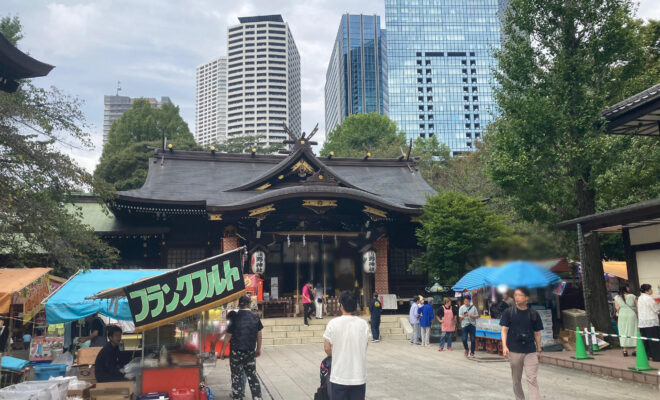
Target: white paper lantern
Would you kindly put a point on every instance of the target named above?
(258, 262)
(369, 261)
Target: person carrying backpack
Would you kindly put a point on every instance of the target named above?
(521, 343)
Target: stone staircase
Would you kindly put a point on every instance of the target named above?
(282, 331)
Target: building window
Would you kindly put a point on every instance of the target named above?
(178, 257)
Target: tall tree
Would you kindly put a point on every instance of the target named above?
(360, 134)
(125, 158)
(36, 179)
(558, 68)
(457, 233)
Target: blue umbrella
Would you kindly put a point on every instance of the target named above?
(474, 279)
(522, 273)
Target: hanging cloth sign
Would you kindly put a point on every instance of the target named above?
(188, 290)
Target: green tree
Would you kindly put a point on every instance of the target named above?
(36, 179)
(245, 144)
(457, 233)
(360, 134)
(11, 29)
(558, 68)
(125, 159)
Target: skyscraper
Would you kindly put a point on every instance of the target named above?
(356, 78)
(263, 80)
(440, 61)
(211, 103)
(116, 106)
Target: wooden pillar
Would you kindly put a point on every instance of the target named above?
(381, 277)
(631, 263)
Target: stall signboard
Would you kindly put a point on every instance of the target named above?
(41, 348)
(31, 296)
(186, 291)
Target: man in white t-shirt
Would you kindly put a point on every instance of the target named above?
(346, 340)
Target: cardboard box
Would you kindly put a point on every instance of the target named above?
(129, 386)
(82, 393)
(86, 373)
(87, 356)
(109, 394)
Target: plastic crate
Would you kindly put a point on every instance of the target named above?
(494, 335)
(47, 371)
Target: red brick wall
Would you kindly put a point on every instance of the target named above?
(381, 276)
(229, 242)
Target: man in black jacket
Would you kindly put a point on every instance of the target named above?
(107, 361)
(244, 335)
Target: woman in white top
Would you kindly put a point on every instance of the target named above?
(649, 324)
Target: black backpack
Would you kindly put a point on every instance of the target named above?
(322, 391)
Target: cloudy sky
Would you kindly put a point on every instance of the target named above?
(154, 46)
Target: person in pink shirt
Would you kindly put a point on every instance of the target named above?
(307, 295)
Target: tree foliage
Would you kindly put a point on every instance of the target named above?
(457, 233)
(362, 133)
(559, 67)
(132, 138)
(36, 179)
(11, 29)
(245, 144)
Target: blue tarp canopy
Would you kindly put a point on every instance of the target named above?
(474, 279)
(522, 273)
(69, 303)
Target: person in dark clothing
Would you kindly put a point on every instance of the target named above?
(244, 335)
(107, 363)
(497, 308)
(521, 343)
(375, 308)
(94, 330)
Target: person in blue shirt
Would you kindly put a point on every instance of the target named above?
(425, 321)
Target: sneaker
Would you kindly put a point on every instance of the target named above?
(450, 349)
(466, 353)
(472, 355)
(440, 349)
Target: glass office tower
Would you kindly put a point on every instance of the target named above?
(356, 78)
(440, 61)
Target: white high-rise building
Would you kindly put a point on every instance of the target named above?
(211, 103)
(263, 83)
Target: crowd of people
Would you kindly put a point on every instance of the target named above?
(346, 337)
(638, 315)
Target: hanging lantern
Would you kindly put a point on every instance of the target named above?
(369, 261)
(258, 262)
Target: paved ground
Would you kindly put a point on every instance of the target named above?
(397, 370)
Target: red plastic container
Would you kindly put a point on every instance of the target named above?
(183, 394)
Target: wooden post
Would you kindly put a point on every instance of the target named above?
(631, 263)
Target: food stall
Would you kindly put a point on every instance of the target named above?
(482, 285)
(185, 293)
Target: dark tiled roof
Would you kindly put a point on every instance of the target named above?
(14, 65)
(633, 215)
(632, 102)
(213, 180)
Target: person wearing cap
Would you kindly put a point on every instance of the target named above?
(244, 335)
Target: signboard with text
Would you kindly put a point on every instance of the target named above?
(187, 290)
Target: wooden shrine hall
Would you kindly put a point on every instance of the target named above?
(312, 217)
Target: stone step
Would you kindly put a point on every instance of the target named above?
(313, 321)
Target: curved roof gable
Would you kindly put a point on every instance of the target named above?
(227, 181)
